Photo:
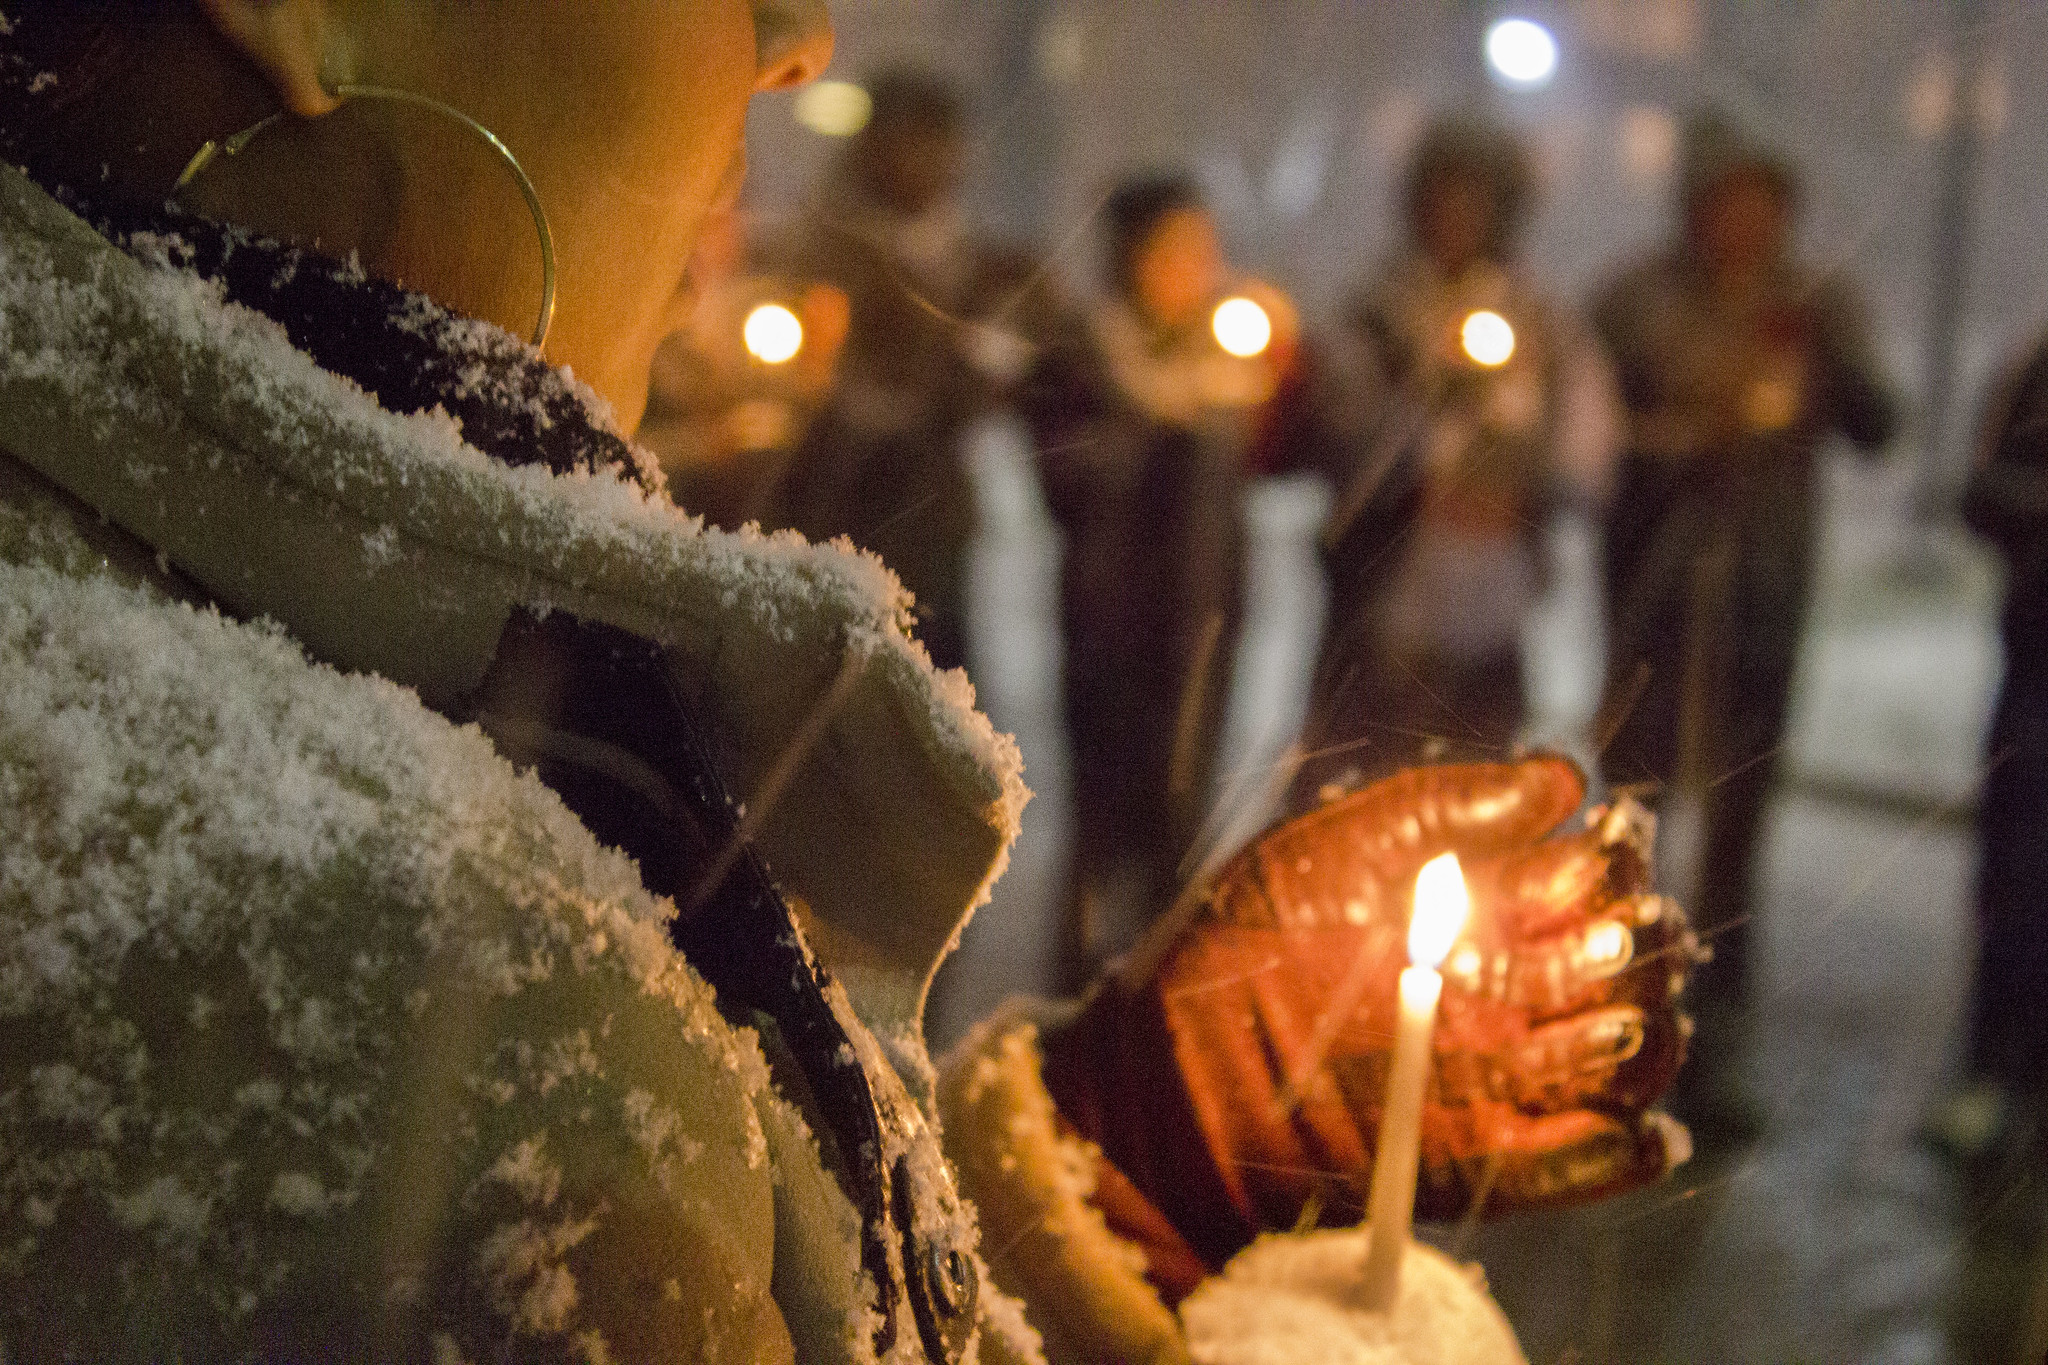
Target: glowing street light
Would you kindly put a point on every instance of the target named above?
(1241, 327)
(1487, 338)
(1522, 53)
(773, 334)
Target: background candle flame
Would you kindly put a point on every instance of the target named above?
(1441, 907)
(772, 333)
(1487, 338)
(1241, 327)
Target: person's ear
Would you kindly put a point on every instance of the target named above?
(792, 42)
(286, 40)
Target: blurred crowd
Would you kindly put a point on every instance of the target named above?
(835, 362)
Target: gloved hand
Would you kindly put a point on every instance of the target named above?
(1275, 999)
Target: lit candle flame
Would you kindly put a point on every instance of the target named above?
(773, 334)
(1441, 907)
(1241, 327)
(1487, 338)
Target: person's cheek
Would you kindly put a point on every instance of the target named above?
(662, 125)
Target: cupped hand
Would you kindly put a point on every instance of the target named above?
(1560, 1024)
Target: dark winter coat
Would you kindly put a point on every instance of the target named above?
(2007, 503)
(1710, 536)
(1147, 441)
(1432, 551)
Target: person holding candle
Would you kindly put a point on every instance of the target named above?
(1491, 410)
(1232, 1075)
(880, 459)
(1738, 362)
(724, 411)
(1151, 412)
(332, 1032)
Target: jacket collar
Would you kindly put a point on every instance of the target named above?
(407, 351)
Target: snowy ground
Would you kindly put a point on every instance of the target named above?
(1837, 1238)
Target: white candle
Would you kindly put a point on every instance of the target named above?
(1441, 905)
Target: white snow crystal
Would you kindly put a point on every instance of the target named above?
(528, 1279)
(165, 1204)
(296, 1192)
(381, 546)
(527, 1172)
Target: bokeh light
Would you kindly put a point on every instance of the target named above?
(1487, 338)
(833, 108)
(1521, 53)
(773, 334)
(1646, 141)
(1241, 327)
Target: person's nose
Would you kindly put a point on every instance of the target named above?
(792, 42)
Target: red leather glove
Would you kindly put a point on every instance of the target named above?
(1241, 1069)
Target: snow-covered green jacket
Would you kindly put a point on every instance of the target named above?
(324, 1029)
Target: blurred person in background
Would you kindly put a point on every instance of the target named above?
(735, 389)
(1736, 361)
(1148, 429)
(882, 461)
(1486, 408)
(2006, 1065)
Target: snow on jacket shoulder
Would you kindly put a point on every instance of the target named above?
(324, 1024)
(384, 543)
(325, 1027)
